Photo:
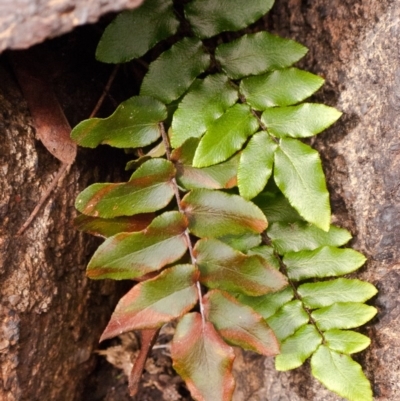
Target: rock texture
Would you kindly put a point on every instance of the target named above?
(24, 23)
(50, 314)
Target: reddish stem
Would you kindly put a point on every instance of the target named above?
(105, 91)
(187, 234)
(148, 339)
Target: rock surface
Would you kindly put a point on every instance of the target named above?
(24, 23)
(51, 316)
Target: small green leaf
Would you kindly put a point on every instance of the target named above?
(157, 151)
(301, 236)
(279, 88)
(219, 176)
(132, 255)
(322, 262)
(277, 208)
(211, 17)
(258, 53)
(267, 253)
(225, 268)
(267, 305)
(154, 302)
(109, 227)
(297, 348)
(134, 32)
(206, 101)
(136, 163)
(340, 374)
(225, 136)
(134, 124)
(300, 121)
(173, 106)
(288, 319)
(149, 189)
(215, 214)
(241, 242)
(203, 359)
(255, 165)
(299, 175)
(238, 324)
(174, 71)
(318, 295)
(346, 341)
(343, 315)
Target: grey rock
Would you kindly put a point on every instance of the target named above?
(24, 23)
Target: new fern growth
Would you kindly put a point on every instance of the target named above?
(225, 221)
